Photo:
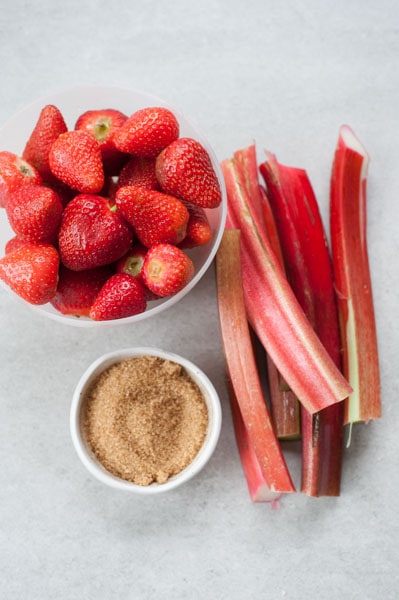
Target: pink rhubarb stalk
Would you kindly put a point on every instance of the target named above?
(352, 277)
(258, 487)
(275, 314)
(285, 407)
(310, 273)
(261, 455)
(283, 403)
(246, 161)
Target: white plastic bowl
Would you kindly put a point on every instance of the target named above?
(72, 102)
(84, 450)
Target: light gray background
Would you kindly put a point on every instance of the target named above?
(286, 74)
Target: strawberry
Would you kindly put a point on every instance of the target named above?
(155, 217)
(132, 263)
(34, 212)
(121, 296)
(184, 169)
(167, 269)
(147, 131)
(102, 124)
(49, 126)
(92, 233)
(199, 231)
(14, 243)
(14, 172)
(75, 159)
(139, 171)
(77, 290)
(31, 271)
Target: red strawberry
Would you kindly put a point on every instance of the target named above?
(31, 272)
(14, 244)
(102, 124)
(184, 169)
(75, 158)
(49, 126)
(155, 217)
(14, 172)
(139, 171)
(199, 231)
(34, 212)
(147, 131)
(92, 234)
(167, 269)
(77, 290)
(132, 263)
(121, 296)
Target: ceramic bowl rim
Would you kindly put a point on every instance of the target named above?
(93, 465)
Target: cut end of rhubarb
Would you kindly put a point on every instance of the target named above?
(264, 494)
(352, 142)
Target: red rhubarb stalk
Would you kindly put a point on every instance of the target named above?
(245, 159)
(270, 227)
(258, 488)
(276, 316)
(352, 277)
(283, 403)
(310, 273)
(242, 369)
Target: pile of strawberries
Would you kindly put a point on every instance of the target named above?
(104, 212)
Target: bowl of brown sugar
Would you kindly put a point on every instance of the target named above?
(144, 420)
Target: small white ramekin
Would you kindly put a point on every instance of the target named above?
(84, 450)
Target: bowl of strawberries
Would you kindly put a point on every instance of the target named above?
(112, 205)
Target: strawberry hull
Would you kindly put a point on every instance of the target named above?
(102, 125)
(15, 172)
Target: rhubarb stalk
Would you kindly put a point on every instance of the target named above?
(258, 487)
(352, 277)
(309, 270)
(259, 440)
(284, 405)
(275, 314)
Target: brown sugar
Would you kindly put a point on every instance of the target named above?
(146, 419)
